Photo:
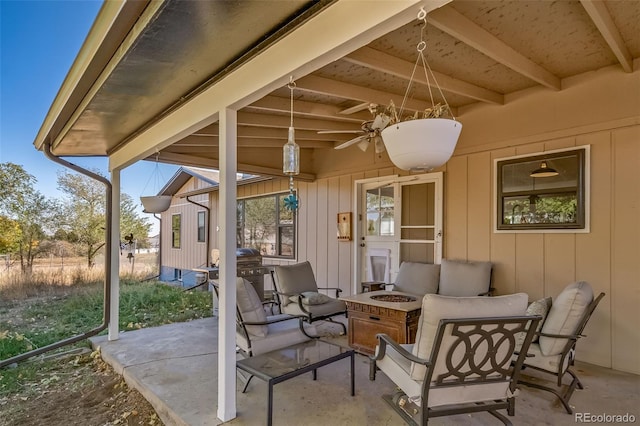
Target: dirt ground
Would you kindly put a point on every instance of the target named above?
(79, 390)
(76, 389)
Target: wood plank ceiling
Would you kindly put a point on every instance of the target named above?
(481, 51)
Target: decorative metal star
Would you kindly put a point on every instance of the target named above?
(291, 202)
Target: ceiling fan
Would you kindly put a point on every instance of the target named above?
(370, 132)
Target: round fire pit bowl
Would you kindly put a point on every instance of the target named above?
(393, 298)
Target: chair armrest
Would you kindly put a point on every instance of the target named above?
(275, 320)
(337, 289)
(384, 340)
(560, 336)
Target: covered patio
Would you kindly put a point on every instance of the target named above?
(175, 367)
(204, 83)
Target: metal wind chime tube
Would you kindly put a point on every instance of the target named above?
(291, 157)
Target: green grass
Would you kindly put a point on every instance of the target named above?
(40, 321)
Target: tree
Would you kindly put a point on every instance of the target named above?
(85, 215)
(17, 186)
(84, 211)
(10, 235)
(30, 212)
(131, 223)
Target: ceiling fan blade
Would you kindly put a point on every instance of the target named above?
(364, 144)
(351, 142)
(329, 132)
(354, 109)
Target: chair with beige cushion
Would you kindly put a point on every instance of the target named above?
(554, 351)
(450, 278)
(257, 333)
(461, 361)
(298, 294)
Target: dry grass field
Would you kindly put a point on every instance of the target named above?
(61, 298)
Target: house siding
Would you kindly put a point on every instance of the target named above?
(601, 110)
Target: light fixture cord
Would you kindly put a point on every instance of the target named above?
(291, 86)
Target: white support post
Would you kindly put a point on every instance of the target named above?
(227, 302)
(114, 310)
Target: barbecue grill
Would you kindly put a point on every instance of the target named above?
(249, 266)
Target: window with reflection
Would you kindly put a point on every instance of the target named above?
(380, 211)
(545, 191)
(265, 224)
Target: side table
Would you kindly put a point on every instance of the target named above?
(369, 286)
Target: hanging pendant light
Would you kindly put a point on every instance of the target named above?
(544, 171)
(291, 157)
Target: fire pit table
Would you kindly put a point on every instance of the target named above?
(390, 312)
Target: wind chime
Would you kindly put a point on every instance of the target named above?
(291, 157)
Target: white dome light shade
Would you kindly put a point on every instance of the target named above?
(422, 144)
(156, 203)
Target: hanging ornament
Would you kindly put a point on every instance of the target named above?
(291, 157)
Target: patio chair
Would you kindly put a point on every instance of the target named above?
(298, 294)
(554, 352)
(465, 278)
(461, 359)
(257, 333)
(450, 278)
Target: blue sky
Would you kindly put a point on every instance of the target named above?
(39, 41)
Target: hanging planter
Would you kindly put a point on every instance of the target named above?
(421, 144)
(156, 203)
(426, 141)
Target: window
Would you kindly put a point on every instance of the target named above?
(176, 222)
(380, 211)
(266, 225)
(555, 200)
(202, 227)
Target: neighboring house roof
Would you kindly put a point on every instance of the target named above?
(182, 176)
(210, 177)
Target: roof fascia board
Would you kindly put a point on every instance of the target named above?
(147, 16)
(352, 25)
(101, 28)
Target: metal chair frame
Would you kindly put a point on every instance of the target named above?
(567, 358)
(481, 331)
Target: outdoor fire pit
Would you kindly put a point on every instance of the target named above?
(393, 298)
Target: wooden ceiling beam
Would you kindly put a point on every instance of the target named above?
(344, 90)
(214, 163)
(383, 62)
(280, 134)
(460, 27)
(307, 109)
(282, 121)
(599, 14)
(199, 142)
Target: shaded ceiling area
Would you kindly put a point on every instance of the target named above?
(480, 53)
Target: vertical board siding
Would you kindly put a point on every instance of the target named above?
(625, 293)
(455, 209)
(503, 253)
(593, 261)
(479, 206)
(541, 265)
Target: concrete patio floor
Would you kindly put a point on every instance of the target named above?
(175, 368)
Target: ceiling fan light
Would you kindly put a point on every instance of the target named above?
(544, 171)
(378, 144)
(363, 145)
